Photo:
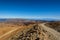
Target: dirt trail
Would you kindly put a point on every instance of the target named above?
(51, 31)
(8, 34)
(54, 35)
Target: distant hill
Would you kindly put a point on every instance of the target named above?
(2, 20)
(27, 20)
(50, 19)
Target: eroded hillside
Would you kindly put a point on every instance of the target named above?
(27, 31)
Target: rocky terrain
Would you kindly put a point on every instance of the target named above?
(30, 30)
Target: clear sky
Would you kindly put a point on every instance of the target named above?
(30, 9)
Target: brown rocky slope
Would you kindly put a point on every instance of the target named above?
(30, 31)
(36, 32)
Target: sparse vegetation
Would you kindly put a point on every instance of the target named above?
(54, 25)
(27, 30)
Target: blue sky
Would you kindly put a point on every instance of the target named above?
(30, 9)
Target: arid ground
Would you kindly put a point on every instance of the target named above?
(23, 29)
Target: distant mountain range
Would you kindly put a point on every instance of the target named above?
(46, 19)
(2, 19)
(50, 19)
(42, 19)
